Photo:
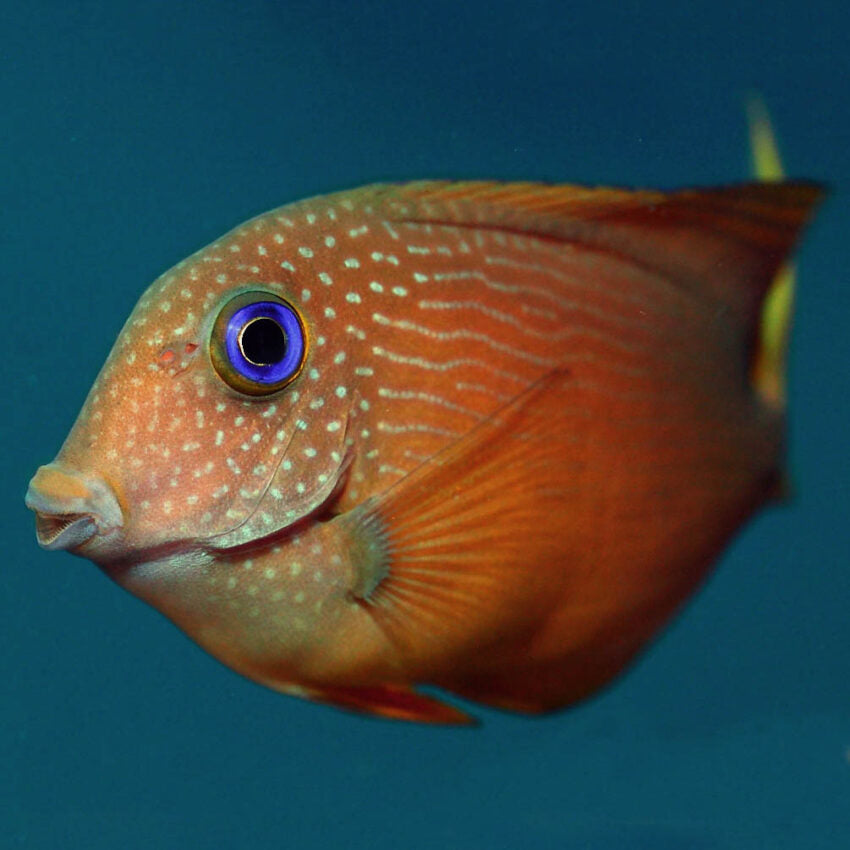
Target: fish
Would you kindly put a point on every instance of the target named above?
(472, 436)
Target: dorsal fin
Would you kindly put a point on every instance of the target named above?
(728, 241)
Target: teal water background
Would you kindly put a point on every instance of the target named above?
(135, 133)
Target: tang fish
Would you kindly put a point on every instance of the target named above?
(480, 436)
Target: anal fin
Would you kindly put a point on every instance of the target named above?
(395, 702)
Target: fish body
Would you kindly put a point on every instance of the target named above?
(475, 435)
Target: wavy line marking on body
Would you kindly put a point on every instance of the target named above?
(566, 304)
(447, 336)
(475, 336)
(428, 398)
(586, 285)
(444, 366)
(508, 318)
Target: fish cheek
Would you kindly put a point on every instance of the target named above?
(302, 467)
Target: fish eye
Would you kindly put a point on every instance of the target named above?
(258, 344)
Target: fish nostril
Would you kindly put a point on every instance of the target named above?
(71, 508)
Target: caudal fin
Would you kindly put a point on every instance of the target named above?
(777, 311)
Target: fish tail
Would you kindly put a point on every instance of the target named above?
(769, 362)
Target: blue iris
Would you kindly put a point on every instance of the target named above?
(264, 342)
(258, 343)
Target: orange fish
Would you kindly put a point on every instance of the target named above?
(481, 436)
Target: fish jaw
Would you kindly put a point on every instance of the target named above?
(74, 512)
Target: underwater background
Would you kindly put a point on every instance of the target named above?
(135, 133)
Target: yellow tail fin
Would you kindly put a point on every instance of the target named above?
(778, 308)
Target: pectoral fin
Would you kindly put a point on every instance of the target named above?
(439, 556)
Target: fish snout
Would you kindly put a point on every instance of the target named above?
(70, 508)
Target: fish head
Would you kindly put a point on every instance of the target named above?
(220, 418)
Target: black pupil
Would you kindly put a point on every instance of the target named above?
(263, 342)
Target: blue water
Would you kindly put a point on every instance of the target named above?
(135, 133)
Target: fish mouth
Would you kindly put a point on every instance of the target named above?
(64, 531)
(70, 508)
